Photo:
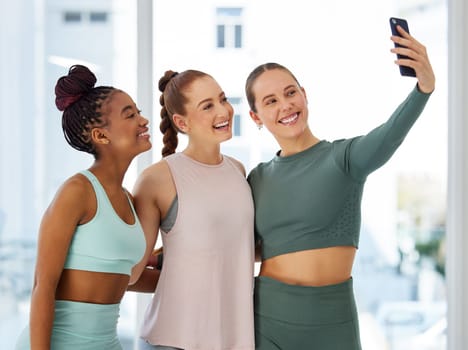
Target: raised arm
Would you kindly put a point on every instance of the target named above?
(364, 154)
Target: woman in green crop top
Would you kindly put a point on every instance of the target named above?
(90, 239)
(307, 208)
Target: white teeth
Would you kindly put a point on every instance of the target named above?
(221, 125)
(289, 120)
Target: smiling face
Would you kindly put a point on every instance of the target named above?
(208, 114)
(125, 129)
(280, 104)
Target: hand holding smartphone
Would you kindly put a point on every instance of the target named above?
(394, 22)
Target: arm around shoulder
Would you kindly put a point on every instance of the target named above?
(153, 192)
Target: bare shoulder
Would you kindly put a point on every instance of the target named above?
(153, 178)
(154, 191)
(238, 164)
(76, 188)
(75, 197)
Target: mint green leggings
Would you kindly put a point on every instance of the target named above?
(291, 317)
(80, 326)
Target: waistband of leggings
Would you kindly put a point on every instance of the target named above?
(86, 319)
(304, 305)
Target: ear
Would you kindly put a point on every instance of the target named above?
(99, 136)
(180, 122)
(256, 118)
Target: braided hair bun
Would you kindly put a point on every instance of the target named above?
(81, 103)
(72, 87)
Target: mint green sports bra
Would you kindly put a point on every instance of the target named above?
(106, 243)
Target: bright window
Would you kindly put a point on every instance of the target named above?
(229, 27)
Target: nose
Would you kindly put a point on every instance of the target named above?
(225, 110)
(285, 105)
(143, 121)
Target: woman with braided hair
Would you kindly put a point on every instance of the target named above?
(200, 201)
(91, 244)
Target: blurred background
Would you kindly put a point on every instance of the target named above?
(340, 52)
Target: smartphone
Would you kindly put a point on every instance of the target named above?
(405, 71)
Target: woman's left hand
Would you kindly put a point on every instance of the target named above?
(418, 59)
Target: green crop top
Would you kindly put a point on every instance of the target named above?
(106, 243)
(312, 199)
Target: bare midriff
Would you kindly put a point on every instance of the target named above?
(91, 287)
(314, 267)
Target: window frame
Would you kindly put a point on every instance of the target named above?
(229, 27)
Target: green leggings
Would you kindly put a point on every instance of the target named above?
(290, 317)
(80, 325)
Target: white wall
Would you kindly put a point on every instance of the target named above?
(457, 218)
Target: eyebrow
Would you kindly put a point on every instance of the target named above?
(126, 108)
(286, 88)
(209, 99)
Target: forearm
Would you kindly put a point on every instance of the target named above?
(41, 319)
(371, 151)
(147, 282)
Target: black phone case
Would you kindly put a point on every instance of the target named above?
(405, 71)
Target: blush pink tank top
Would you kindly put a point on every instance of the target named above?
(204, 297)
